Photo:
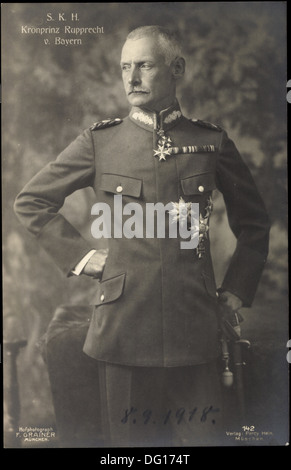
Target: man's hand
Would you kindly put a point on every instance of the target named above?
(96, 263)
(229, 304)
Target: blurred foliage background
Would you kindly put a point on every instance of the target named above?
(235, 77)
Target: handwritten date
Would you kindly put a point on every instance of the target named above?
(171, 416)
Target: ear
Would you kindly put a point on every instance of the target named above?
(178, 67)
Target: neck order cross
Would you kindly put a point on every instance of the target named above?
(164, 144)
(159, 124)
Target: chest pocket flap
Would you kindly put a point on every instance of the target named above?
(119, 184)
(198, 184)
(109, 290)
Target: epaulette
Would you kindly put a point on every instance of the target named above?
(207, 124)
(105, 123)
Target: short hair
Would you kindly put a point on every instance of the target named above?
(168, 40)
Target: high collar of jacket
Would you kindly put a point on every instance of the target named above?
(152, 120)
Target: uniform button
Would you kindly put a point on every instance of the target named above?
(102, 297)
(201, 189)
(119, 189)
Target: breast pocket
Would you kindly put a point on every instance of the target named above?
(119, 184)
(198, 184)
(109, 290)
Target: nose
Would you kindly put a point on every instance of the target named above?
(134, 77)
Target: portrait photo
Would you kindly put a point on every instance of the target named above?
(145, 226)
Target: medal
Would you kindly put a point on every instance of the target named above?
(162, 153)
(164, 144)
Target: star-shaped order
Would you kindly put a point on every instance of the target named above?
(181, 211)
(162, 152)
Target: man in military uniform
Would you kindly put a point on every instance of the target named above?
(157, 315)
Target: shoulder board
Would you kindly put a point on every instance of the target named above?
(207, 125)
(105, 123)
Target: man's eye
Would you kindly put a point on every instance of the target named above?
(125, 67)
(145, 66)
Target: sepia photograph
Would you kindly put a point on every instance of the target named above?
(145, 227)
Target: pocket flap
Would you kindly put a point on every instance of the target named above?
(119, 184)
(109, 290)
(198, 184)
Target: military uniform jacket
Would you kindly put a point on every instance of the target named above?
(156, 304)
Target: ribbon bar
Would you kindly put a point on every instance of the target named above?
(192, 149)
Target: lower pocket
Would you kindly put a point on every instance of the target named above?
(109, 290)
